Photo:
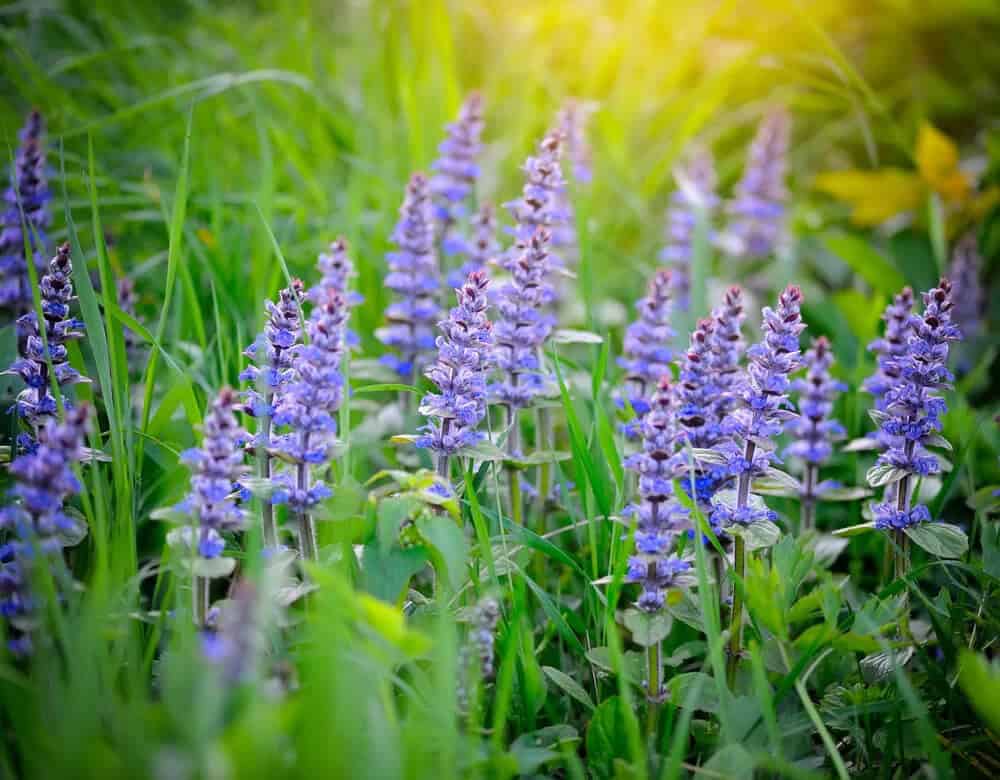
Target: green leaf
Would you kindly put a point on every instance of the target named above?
(384, 387)
(981, 682)
(878, 666)
(855, 530)
(844, 494)
(881, 275)
(681, 688)
(533, 749)
(553, 613)
(758, 535)
(449, 547)
(607, 739)
(537, 457)
(387, 572)
(565, 336)
(940, 539)
(883, 474)
(733, 762)
(213, 568)
(569, 686)
(647, 628)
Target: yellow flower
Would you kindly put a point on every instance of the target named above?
(879, 195)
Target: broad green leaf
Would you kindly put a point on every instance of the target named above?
(680, 687)
(940, 539)
(981, 682)
(570, 686)
(868, 263)
(607, 739)
(449, 547)
(647, 628)
(758, 535)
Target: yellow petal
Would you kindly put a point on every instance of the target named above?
(937, 160)
(875, 196)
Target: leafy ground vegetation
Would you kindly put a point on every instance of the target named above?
(336, 447)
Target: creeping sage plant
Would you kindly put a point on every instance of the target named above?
(647, 347)
(309, 407)
(36, 403)
(967, 293)
(453, 183)
(757, 212)
(210, 507)
(573, 122)
(414, 278)
(464, 359)
(25, 217)
(814, 430)
(753, 426)
(483, 246)
(694, 195)
(37, 523)
(911, 419)
(274, 353)
(522, 327)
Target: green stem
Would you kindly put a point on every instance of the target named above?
(199, 600)
(308, 544)
(516, 508)
(808, 503)
(736, 618)
(653, 689)
(902, 547)
(739, 569)
(268, 527)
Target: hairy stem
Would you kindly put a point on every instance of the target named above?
(268, 527)
(199, 600)
(808, 502)
(739, 569)
(652, 689)
(902, 547)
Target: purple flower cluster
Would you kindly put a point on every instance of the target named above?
(36, 522)
(465, 349)
(415, 278)
(697, 391)
(26, 205)
(127, 299)
(967, 289)
(814, 430)
(913, 409)
(274, 353)
(336, 271)
(543, 202)
(763, 410)
(523, 325)
(890, 348)
(758, 209)
(482, 248)
(456, 171)
(727, 348)
(647, 345)
(310, 402)
(217, 467)
(232, 644)
(36, 402)
(695, 191)
(659, 516)
(573, 121)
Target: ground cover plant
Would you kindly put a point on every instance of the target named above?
(336, 445)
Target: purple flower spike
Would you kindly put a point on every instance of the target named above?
(659, 516)
(216, 469)
(727, 348)
(233, 643)
(697, 390)
(414, 277)
(273, 352)
(647, 344)
(36, 403)
(966, 263)
(523, 324)
(312, 399)
(543, 202)
(757, 212)
(483, 248)
(464, 360)
(456, 171)
(695, 191)
(37, 523)
(573, 121)
(814, 430)
(336, 271)
(763, 410)
(890, 347)
(26, 203)
(911, 419)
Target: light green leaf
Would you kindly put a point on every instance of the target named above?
(940, 539)
(855, 530)
(569, 686)
(647, 628)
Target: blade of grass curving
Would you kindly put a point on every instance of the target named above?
(176, 230)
